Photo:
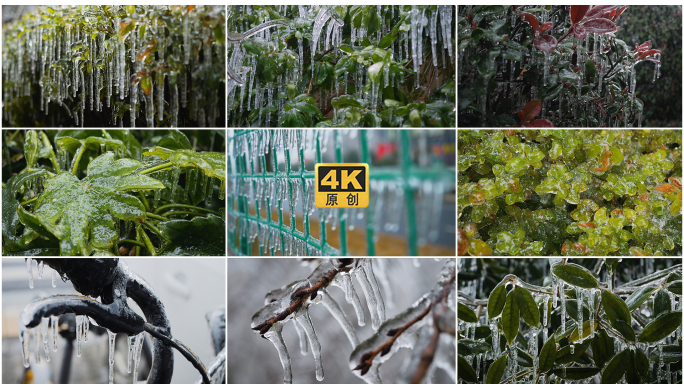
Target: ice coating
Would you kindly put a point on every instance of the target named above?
(304, 321)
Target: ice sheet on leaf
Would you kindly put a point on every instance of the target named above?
(213, 164)
(80, 213)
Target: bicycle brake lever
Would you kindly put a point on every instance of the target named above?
(115, 317)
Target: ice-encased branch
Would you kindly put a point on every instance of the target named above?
(403, 331)
(293, 301)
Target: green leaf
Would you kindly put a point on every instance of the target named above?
(553, 92)
(213, 164)
(662, 303)
(10, 217)
(631, 374)
(547, 356)
(34, 148)
(345, 101)
(661, 327)
(586, 331)
(641, 361)
(576, 373)
(574, 274)
(496, 302)
(564, 356)
(251, 47)
(466, 314)
(615, 308)
(637, 298)
(497, 369)
(615, 368)
(201, 236)
(675, 287)
(81, 213)
(471, 347)
(603, 347)
(510, 319)
(528, 307)
(374, 72)
(466, 371)
(571, 308)
(625, 330)
(175, 140)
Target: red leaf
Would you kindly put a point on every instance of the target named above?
(647, 53)
(587, 225)
(676, 181)
(530, 19)
(546, 43)
(579, 31)
(545, 27)
(599, 10)
(540, 123)
(599, 26)
(577, 12)
(619, 12)
(530, 110)
(666, 188)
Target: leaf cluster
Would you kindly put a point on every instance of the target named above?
(321, 93)
(576, 192)
(99, 192)
(632, 331)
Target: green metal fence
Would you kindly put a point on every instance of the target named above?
(268, 167)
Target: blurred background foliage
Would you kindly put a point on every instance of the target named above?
(662, 24)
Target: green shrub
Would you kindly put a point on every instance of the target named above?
(608, 320)
(342, 66)
(95, 66)
(569, 192)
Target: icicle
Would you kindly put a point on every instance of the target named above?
(86, 327)
(149, 108)
(302, 317)
(339, 315)
(53, 321)
(546, 312)
(591, 310)
(37, 350)
(580, 314)
(112, 340)
(546, 68)
(40, 264)
(495, 337)
(137, 353)
(514, 362)
(79, 334)
(274, 335)
(561, 292)
(375, 304)
(29, 268)
(343, 280)
(25, 339)
(130, 352)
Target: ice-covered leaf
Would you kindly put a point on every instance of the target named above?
(661, 303)
(175, 140)
(675, 287)
(568, 355)
(468, 347)
(546, 43)
(641, 362)
(496, 302)
(671, 354)
(576, 373)
(603, 347)
(466, 371)
(213, 164)
(497, 369)
(528, 308)
(531, 109)
(586, 330)
(661, 327)
(10, 218)
(615, 368)
(599, 10)
(615, 308)
(34, 148)
(510, 319)
(200, 236)
(639, 296)
(530, 19)
(575, 275)
(599, 26)
(547, 356)
(577, 12)
(81, 213)
(466, 314)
